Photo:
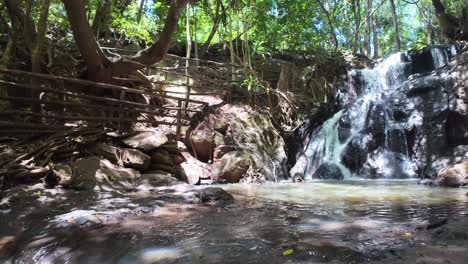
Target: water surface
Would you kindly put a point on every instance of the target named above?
(315, 222)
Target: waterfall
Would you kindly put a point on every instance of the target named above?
(327, 144)
(439, 57)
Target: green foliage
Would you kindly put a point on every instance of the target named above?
(271, 24)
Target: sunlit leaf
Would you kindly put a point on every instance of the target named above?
(288, 252)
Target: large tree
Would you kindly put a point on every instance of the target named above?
(454, 28)
(395, 26)
(101, 68)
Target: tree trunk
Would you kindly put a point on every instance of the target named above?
(213, 31)
(103, 19)
(375, 39)
(357, 21)
(38, 51)
(367, 26)
(395, 26)
(23, 28)
(195, 37)
(141, 10)
(98, 66)
(330, 24)
(231, 44)
(449, 24)
(159, 49)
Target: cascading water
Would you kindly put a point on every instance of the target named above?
(348, 128)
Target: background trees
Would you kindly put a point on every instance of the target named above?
(372, 27)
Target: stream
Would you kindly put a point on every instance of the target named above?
(380, 221)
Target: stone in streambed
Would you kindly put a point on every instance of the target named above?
(157, 180)
(93, 171)
(328, 171)
(191, 170)
(84, 173)
(232, 167)
(61, 175)
(113, 177)
(455, 175)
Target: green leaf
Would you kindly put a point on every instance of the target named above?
(288, 252)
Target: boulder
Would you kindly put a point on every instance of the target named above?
(232, 167)
(113, 177)
(164, 167)
(354, 156)
(244, 129)
(204, 140)
(136, 159)
(455, 175)
(174, 148)
(84, 173)
(214, 195)
(221, 150)
(63, 174)
(192, 169)
(146, 140)
(162, 156)
(329, 171)
(131, 158)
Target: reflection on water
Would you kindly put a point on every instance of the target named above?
(322, 222)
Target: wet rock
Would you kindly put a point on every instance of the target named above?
(455, 175)
(146, 140)
(84, 173)
(111, 177)
(298, 170)
(161, 255)
(425, 182)
(214, 195)
(231, 167)
(157, 180)
(432, 168)
(461, 151)
(62, 175)
(82, 218)
(328, 171)
(354, 156)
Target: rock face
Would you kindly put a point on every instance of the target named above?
(455, 175)
(235, 138)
